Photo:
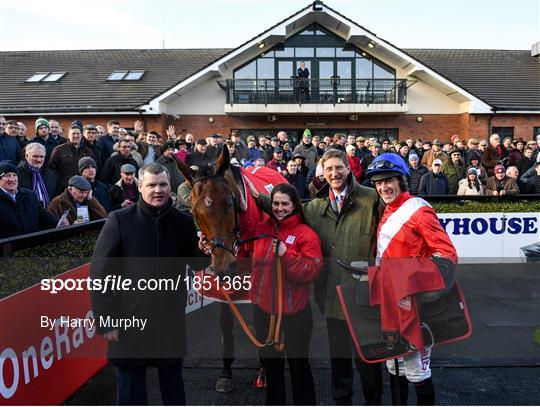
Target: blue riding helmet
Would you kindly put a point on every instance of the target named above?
(385, 166)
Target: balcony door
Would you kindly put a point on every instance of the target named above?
(335, 84)
(286, 69)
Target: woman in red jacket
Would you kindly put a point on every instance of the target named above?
(299, 250)
(354, 162)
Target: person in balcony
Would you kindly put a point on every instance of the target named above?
(303, 80)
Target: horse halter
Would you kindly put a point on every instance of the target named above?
(219, 241)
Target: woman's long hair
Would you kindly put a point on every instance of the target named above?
(475, 183)
(291, 192)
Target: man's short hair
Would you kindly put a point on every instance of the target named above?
(12, 123)
(111, 123)
(334, 153)
(155, 169)
(34, 146)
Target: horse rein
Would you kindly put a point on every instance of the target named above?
(274, 329)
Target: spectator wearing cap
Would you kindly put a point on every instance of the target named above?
(90, 134)
(78, 201)
(108, 141)
(277, 163)
(9, 147)
(374, 150)
(354, 162)
(269, 153)
(434, 153)
(44, 137)
(100, 191)
(493, 154)
(215, 146)
(500, 184)
(20, 210)
(533, 183)
(454, 169)
(307, 150)
(472, 147)
(168, 161)
(476, 163)
(361, 149)
(417, 171)
(525, 162)
(200, 157)
(240, 147)
(33, 174)
(111, 169)
(253, 152)
(434, 182)
(125, 192)
(65, 157)
(297, 180)
(56, 131)
(149, 149)
(302, 169)
(470, 185)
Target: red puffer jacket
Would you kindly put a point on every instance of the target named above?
(300, 264)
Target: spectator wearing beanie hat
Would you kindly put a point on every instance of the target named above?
(416, 171)
(500, 184)
(88, 169)
(43, 137)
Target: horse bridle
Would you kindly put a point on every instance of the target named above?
(219, 241)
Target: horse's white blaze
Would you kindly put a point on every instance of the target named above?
(208, 201)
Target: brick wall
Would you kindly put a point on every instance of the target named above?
(432, 126)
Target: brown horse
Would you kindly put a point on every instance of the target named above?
(216, 203)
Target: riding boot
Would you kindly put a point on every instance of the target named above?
(425, 393)
(402, 386)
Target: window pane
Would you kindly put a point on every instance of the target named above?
(344, 69)
(268, 55)
(363, 68)
(37, 77)
(308, 31)
(326, 69)
(341, 53)
(304, 52)
(265, 68)
(287, 52)
(54, 77)
(285, 69)
(319, 32)
(247, 72)
(382, 73)
(117, 76)
(134, 75)
(326, 52)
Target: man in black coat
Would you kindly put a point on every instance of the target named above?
(149, 240)
(417, 171)
(20, 210)
(111, 170)
(199, 157)
(434, 182)
(296, 179)
(100, 191)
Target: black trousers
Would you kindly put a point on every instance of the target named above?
(341, 352)
(296, 330)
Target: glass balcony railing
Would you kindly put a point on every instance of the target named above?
(315, 91)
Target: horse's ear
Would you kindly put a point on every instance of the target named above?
(184, 169)
(223, 162)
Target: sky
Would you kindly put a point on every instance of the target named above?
(116, 24)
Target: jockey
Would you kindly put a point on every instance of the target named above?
(413, 255)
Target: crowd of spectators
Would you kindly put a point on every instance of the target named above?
(85, 171)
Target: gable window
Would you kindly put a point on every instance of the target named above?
(46, 77)
(117, 75)
(134, 75)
